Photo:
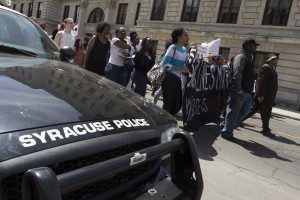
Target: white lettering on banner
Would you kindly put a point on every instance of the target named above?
(51, 135)
(195, 106)
(205, 77)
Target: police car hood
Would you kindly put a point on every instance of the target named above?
(40, 94)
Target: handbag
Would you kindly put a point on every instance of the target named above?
(157, 73)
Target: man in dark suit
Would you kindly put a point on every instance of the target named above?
(265, 94)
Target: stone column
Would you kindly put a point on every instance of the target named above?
(82, 13)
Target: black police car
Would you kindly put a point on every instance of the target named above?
(70, 134)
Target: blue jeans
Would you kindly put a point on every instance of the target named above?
(118, 74)
(236, 112)
(140, 81)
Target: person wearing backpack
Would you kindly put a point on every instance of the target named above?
(265, 93)
(240, 92)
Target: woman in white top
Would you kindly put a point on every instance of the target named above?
(66, 37)
(115, 69)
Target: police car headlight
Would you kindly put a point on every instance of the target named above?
(167, 132)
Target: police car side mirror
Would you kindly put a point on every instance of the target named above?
(67, 51)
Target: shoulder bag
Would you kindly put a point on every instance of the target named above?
(157, 73)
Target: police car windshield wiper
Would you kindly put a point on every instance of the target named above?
(14, 50)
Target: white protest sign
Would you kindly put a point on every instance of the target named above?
(211, 47)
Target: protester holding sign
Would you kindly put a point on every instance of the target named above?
(192, 54)
(174, 61)
(240, 98)
(218, 62)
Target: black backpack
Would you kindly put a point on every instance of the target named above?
(229, 73)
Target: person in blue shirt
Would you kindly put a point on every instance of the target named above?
(174, 60)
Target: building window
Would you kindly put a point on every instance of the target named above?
(22, 8)
(66, 12)
(224, 51)
(14, 6)
(229, 11)
(158, 11)
(190, 10)
(29, 13)
(97, 15)
(122, 13)
(154, 47)
(260, 59)
(76, 13)
(277, 12)
(137, 13)
(39, 10)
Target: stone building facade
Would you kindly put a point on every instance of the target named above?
(275, 24)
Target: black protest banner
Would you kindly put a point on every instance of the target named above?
(205, 94)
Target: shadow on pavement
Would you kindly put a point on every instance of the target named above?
(273, 116)
(277, 138)
(259, 150)
(250, 129)
(204, 139)
(277, 117)
(285, 140)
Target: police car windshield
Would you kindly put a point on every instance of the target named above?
(19, 32)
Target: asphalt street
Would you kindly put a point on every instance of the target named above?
(254, 167)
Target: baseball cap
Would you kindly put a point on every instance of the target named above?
(250, 41)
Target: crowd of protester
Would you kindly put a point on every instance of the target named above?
(127, 60)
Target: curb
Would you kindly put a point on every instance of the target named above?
(286, 116)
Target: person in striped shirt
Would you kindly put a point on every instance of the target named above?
(174, 60)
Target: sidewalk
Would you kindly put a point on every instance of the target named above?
(276, 111)
(286, 113)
